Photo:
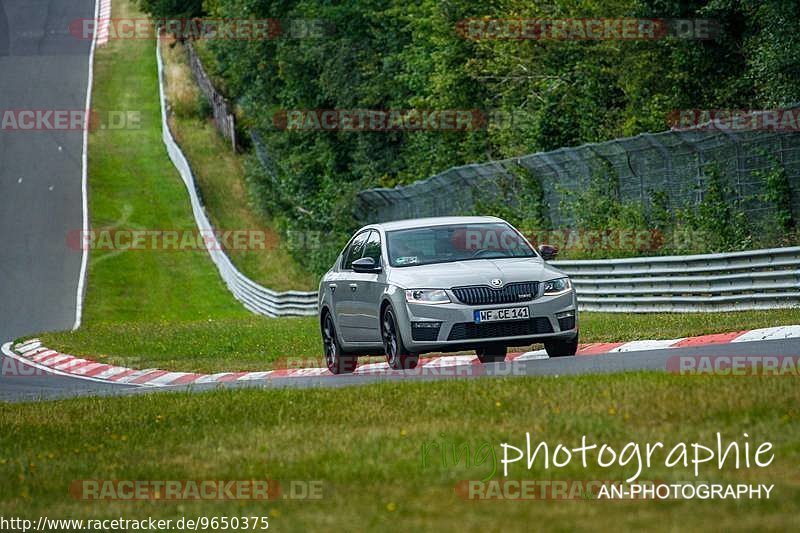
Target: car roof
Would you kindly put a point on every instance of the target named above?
(431, 221)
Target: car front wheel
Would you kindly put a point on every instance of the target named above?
(561, 348)
(397, 355)
(337, 360)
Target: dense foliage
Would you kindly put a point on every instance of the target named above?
(393, 54)
(176, 9)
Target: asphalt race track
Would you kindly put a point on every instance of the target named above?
(20, 388)
(42, 67)
(26, 384)
(561, 366)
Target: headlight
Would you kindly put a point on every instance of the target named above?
(554, 287)
(427, 296)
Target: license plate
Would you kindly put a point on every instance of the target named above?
(494, 315)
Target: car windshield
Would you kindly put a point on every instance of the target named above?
(458, 242)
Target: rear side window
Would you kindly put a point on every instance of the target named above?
(355, 250)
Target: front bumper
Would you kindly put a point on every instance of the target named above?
(551, 317)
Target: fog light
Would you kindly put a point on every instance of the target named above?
(425, 331)
(566, 320)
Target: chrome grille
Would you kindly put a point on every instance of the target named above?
(484, 295)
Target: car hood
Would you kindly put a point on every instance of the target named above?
(475, 272)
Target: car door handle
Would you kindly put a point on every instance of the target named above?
(353, 286)
(332, 287)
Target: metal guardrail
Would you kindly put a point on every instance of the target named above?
(256, 298)
(755, 279)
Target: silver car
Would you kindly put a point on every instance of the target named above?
(443, 284)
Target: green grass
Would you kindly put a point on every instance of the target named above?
(255, 343)
(369, 458)
(211, 345)
(220, 174)
(170, 309)
(133, 185)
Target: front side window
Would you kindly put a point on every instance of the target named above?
(373, 247)
(355, 250)
(461, 242)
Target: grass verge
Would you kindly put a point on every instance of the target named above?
(220, 176)
(254, 343)
(170, 309)
(174, 301)
(372, 473)
(133, 185)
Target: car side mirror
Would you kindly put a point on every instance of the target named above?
(366, 265)
(548, 252)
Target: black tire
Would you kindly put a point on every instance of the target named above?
(492, 353)
(397, 355)
(338, 361)
(561, 348)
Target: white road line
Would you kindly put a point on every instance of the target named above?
(308, 372)
(69, 363)
(111, 372)
(765, 334)
(451, 360)
(372, 368)
(43, 355)
(21, 346)
(636, 346)
(28, 348)
(36, 352)
(252, 376)
(85, 180)
(136, 375)
(56, 361)
(532, 356)
(167, 378)
(87, 368)
(212, 377)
